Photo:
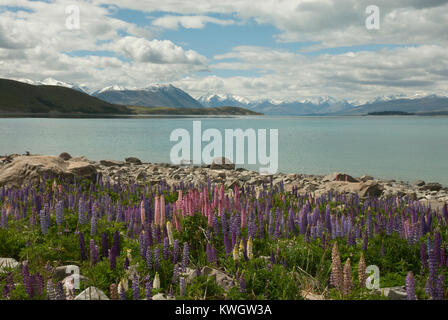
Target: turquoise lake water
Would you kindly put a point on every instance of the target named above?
(401, 148)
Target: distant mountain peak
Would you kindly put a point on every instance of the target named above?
(155, 95)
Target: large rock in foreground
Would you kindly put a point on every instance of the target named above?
(24, 169)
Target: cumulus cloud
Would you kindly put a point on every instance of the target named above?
(35, 43)
(360, 75)
(156, 51)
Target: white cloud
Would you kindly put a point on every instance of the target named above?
(188, 22)
(285, 75)
(156, 51)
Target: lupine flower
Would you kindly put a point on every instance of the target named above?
(93, 252)
(242, 284)
(336, 278)
(185, 256)
(440, 287)
(362, 275)
(169, 231)
(176, 251)
(148, 288)
(104, 245)
(82, 247)
(112, 259)
(156, 282)
(165, 248)
(250, 253)
(348, 281)
(235, 253)
(135, 289)
(126, 263)
(149, 258)
(60, 293)
(157, 259)
(182, 287)
(113, 291)
(410, 286)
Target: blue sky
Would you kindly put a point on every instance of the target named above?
(275, 49)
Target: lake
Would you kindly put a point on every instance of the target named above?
(398, 147)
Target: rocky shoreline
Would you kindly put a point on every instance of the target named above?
(16, 170)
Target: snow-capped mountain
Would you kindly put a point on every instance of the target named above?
(54, 82)
(157, 95)
(316, 105)
(221, 100)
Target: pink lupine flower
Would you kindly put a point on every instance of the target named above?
(162, 211)
(142, 212)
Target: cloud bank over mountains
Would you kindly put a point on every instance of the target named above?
(318, 48)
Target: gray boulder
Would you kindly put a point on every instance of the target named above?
(24, 169)
(337, 176)
(65, 156)
(133, 160)
(221, 278)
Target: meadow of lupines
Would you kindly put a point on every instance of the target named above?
(134, 241)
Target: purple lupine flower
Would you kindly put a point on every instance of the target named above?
(182, 286)
(185, 257)
(126, 263)
(122, 293)
(142, 244)
(82, 246)
(135, 289)
(93, 252)
(60, 292)
(176, 250)
(112, 259)
(156, 258)
(242, 284)
(43, 221)
(4, 219)
(165, 248)
(148, 288)
(149, 258)
(423, 256)
(104, 245)
(59, 212)
(51, 293)
(410, 286)
(175, 273)
(93, 224)
(81, 212)
(432, 278)
(440, 287)
(116, 244)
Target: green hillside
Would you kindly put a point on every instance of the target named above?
(21, 98)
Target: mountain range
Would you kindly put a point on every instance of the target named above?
(166, 95)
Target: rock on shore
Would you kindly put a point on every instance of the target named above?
(16, 170)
